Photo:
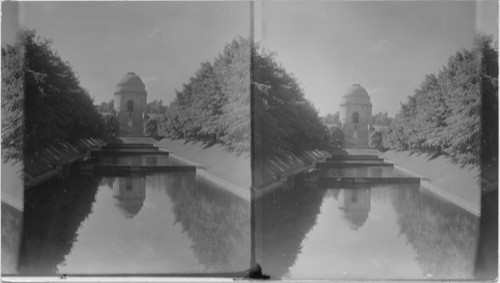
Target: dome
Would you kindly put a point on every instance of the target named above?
(129, 194)
(355, 218)
(356, 94)
(129, 207)
(354, 206)
(130, 83)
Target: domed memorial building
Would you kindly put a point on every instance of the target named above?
(131, 105)
(355, 115)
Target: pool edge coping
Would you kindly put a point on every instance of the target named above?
(202, 171)
(440, 192)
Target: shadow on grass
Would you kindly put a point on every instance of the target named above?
(434, 155)
(206, 144)
(209, 144)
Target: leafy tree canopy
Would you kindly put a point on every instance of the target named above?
(157, 107)
(107, 107)
(40, 87)
(214, 106)
(444, 114)
(382, 119)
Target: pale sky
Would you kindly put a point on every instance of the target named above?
(387, 47)
(164, 43)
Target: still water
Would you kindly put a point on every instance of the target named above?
(370, 232)
(362, 171)
(141, 224)
(175, 223)
(138, 160)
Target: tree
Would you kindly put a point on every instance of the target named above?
(152, 126)
(332, 120)
(55, 106)
(233, 71)
(107, 107)
(289, 122)
(13, 100)
(214, 106)
(381, 119)
(157, 107)
(337, 137)
(444, 114)
(111, 125)
(375, 139)
(462, 80)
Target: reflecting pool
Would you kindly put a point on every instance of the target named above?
(177, 223)
(362, 171)
(369, 232)
(169, 223)
(138, 160)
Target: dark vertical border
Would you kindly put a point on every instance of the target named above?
(252, 141)
(487, 252)
(255, 158)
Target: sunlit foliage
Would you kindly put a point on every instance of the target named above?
(444, 114)
(43, 91)
(215, 105)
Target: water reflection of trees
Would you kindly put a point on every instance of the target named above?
(443, 235)
(217, 222)
(287, 216)
(53, 212)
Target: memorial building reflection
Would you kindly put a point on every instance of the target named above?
(129, 193)
(416, 233)
(354, 206)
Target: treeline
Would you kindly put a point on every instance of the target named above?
(445, 113)
(42, 100)
(214, 106)
(154, 107)
(379, 119)
(286, 122)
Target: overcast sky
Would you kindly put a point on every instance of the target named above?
(163, 43)
(387, 47)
